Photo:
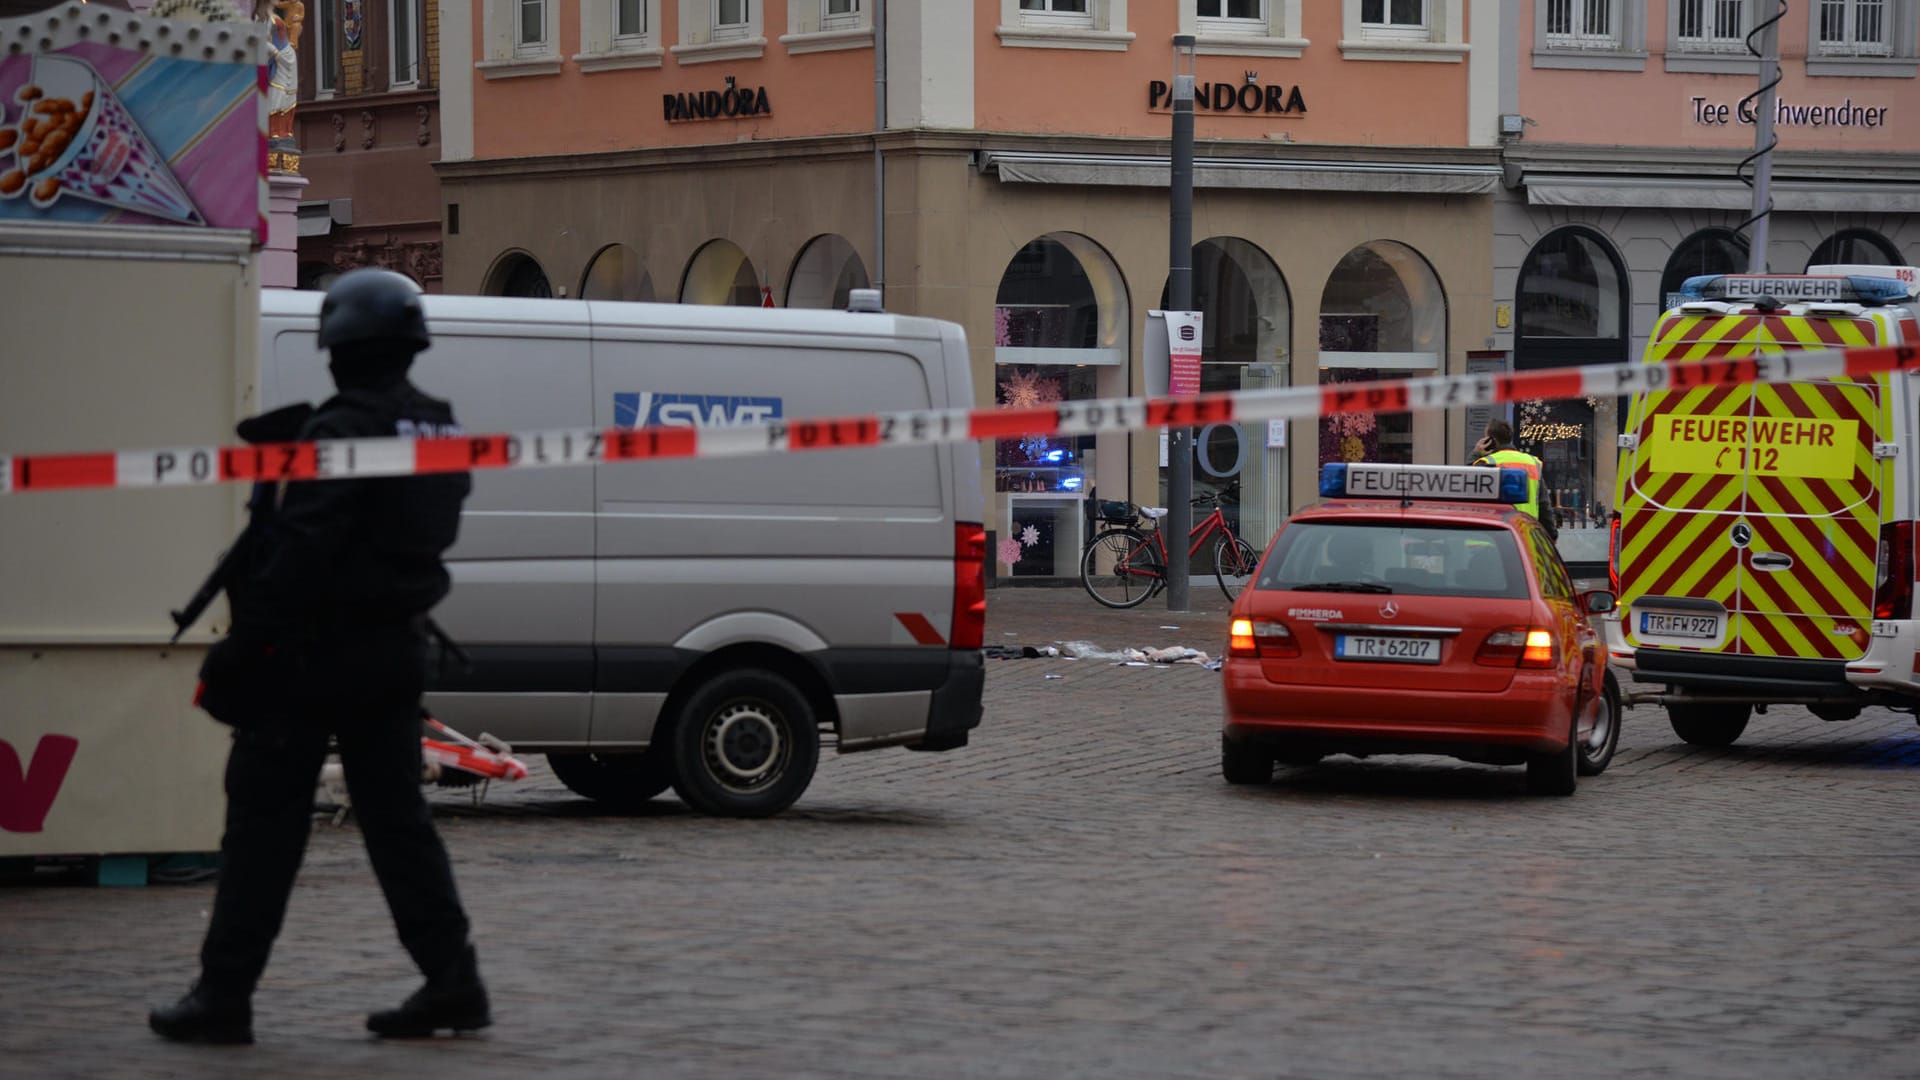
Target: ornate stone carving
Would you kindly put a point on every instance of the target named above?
(425, 116)
(339, 133)
(421, 260)
(368, 130)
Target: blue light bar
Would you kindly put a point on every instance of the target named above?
(1434, 483)
(1850, 288)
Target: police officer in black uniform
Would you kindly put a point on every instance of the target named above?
(329, 640)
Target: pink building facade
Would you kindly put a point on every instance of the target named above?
(1624, 130)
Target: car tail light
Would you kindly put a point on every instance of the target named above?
(1613, 553)
(1517, 646)
(1893, 572)
(1260, 637)
(969, 587)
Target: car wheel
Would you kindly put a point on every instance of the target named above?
(1242, 763)
(1714, 725)
(624, 781)
(1556, 773)
(1596, 750)
(744, 745)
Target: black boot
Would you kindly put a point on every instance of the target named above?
(205, 1016)
(453, 1001)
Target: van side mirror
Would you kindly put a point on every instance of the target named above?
(1598, 602)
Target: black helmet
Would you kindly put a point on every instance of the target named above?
(369, 305)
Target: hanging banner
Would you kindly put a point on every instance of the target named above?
(1183, 352)
(95, 131)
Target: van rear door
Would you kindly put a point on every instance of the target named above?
(1750, 520)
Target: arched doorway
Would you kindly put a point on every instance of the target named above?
(616, 274)
(1709, 251)
(517, 273)
(1246, 328)
(827, 270)
(1382, 315)
(1571, 307)
(1060, 318)
(721, 273)
(1857, 247)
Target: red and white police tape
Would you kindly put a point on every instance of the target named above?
(348, 458)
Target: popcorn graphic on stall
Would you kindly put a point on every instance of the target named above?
(68, 136)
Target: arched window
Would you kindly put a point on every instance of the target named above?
(517, 274)
(825, 273)
(1246, 330)
(616, 274)
(1060, 314)
(721, 273)
(1382, 314)
(1571, 304)
(1860, 247)
(1709, 251)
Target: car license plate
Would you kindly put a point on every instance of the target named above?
(1693, 626)
(1399, 650)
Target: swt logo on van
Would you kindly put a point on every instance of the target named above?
(648, 409)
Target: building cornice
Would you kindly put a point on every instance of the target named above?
(937, 143)
(1562, 160)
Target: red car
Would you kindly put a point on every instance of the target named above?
(1418, 612)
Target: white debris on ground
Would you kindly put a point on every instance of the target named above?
(1086, 650)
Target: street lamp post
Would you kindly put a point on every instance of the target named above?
(1179, 517)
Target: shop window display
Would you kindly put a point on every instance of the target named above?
(1571, 303)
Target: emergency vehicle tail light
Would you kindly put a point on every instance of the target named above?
(1517, 646)
(1260, 637)
(1613, 552)
(969, 587)
(1893, 572)
(1790, 288)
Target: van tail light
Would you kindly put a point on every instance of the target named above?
(969, 586)
(1262, 638)
(1518, 646)
(1893, 572)
(1613, 553)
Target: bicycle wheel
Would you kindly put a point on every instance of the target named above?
(1233, 565)
(1121, 568)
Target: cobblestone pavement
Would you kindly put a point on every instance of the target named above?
(1078, 894)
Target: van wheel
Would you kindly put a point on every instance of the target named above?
(1709, 725)
(1596, 750)
(745, 745)
(625, 781)
(1556, 773)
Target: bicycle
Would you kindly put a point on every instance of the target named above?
(1125, 564)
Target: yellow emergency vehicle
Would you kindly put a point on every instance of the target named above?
(1763, 542)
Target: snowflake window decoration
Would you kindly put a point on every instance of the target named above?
(1028, 390)
(1009, 549)
(1029, 536)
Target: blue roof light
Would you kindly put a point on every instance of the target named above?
(1794, 288)
(1333, 480)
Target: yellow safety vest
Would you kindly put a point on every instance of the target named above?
(1519, 459)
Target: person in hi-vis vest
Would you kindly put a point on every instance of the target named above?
(1496, 448)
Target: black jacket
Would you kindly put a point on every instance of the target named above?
(341, 555)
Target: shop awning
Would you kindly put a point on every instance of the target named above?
(1121, 170)
(319, 218)
(1663, 192)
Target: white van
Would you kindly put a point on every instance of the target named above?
(696, 623)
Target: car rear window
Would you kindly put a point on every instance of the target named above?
(1382, 557)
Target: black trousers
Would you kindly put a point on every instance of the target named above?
(366, 693)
